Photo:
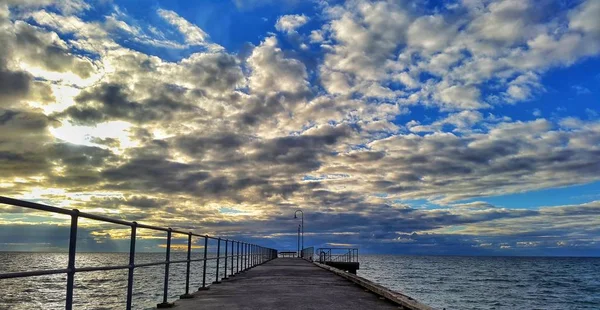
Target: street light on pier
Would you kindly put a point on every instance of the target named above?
(302, 221)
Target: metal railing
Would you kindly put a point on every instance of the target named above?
(342, 255)
(308, 253)
(287, 254)
(247, 255)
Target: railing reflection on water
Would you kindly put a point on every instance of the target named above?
(246, 255)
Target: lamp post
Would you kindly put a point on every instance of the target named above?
(299, 251)
(302, 221)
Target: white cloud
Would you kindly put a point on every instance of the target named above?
(431, 33)
(289, 23)
(508, 43)
(192, 33)
(524, 87)
(65, 6)
(316, 36)
(458, 96)
(273, 72)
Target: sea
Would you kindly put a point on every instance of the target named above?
(443, 282)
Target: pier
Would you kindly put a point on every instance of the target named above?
(296, 283)
(246, 275)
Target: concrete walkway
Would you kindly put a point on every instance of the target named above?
(285, 283)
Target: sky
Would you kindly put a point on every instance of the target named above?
(451, 127)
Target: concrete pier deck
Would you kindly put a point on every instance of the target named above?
(285, 283)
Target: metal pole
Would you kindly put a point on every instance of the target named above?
(237, 258)
(131, 266)
(231, 272)
(302, 221)
(298, 240)
(204, 287)
(166, 304)
(71, 262)
(225, 269)
(187, 271)
(218, 259)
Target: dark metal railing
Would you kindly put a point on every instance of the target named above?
(342, 255)
(288, 254)
(308, 253)
(246, 256)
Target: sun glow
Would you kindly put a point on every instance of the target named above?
(83, 135)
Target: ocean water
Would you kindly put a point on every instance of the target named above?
(489, 282)
(440, 281)
(99, 289)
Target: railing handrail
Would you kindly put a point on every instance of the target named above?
(349, 255)
(247, 255)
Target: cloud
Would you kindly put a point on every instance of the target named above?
(505, 43)
(65, 6)
(111, 102)
(580, 90)
(289, 23)
(383, 137)
(192, 33)
(272, 71)
(48, 51)
(430, 33)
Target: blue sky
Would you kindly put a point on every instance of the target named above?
(418, 127)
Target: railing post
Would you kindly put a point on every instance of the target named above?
(131, 266)
(245, 256)
(225, 267)
(218, 260)
(204, 287)
(71, 262)
(244, 253)
(187, 294)
(231, 272)
(237, 259)
(165, 303)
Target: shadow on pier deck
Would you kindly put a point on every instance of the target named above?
(287, 283)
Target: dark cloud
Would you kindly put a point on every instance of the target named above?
(222, 144)
(13, 85)
(216, 72)
(22, 148)
(41, 49)
(301, 153)
(111, 101)
(155, 174)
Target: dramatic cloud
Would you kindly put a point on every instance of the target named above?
(396, 128)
